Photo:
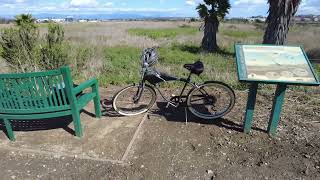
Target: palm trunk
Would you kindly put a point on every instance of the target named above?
(280, 14)
(277, 30)
(209, 41)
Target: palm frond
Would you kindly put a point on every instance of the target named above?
(223, 8)
(209, 2)
(214, 8)
(202, 10)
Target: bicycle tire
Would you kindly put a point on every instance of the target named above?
(202, 110)
(125, 111)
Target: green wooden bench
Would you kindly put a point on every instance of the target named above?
(44, 95)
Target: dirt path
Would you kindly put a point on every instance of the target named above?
(166, 148)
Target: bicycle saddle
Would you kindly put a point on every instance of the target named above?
(195, 68)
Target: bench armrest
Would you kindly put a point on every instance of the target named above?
(85, 85)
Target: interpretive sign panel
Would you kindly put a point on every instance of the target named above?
(274, 64)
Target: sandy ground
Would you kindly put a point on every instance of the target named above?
(166, 148)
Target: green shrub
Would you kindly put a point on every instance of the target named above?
(81, 58)
(23, 49)
(54, 52)
(19, 46)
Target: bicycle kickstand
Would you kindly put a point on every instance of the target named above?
(186, 115)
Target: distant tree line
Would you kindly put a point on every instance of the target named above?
(6, 21)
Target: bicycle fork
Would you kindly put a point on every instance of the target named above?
(138, 95)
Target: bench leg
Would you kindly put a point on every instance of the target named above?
(97, 106)
(77, 123)
(9, 129)
(96, 100)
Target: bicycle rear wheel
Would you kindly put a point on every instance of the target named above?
(211, 100)
(124, 101)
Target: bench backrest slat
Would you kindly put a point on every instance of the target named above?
(37, 92)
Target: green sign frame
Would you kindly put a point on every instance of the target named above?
(280, 90)
(242, 69)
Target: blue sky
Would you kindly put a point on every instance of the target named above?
(240, 8)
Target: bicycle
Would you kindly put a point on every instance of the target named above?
(210, 100)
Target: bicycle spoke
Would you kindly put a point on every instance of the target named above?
(210, 101)
(124, 100)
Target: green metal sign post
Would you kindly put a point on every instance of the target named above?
(266, 64)
(250, 107)
(276, 108)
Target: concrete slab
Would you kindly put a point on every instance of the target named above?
(105, 139)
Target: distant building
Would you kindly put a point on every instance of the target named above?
(188, 20)
(83, 20)
(297, 19)
(69, 19)
(257, 19)
(306, 19)
(58, 20)
(46, 20)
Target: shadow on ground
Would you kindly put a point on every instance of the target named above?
(179, 115)
(196, 50)
(43, 124)
(108, 110)
(40, 124)
(57, 122)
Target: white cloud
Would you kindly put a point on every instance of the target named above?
(108, 4)
(10, 6)
(12, 1)
(83, 3)
(250, 2)
(190, 2)
(193, 2)
(309, 7)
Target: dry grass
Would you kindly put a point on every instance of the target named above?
(115, 33)
(307, 35)
(106, 36)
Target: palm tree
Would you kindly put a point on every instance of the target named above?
(212, 11)
(280, 14)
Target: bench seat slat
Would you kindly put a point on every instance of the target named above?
(36, 116)
(59, 89)
(32, 74)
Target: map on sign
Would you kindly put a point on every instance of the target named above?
(274, 63)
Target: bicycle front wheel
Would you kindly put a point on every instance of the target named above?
(211, 100)
(125, 102)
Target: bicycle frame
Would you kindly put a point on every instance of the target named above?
(153, 77)
(154, 84)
